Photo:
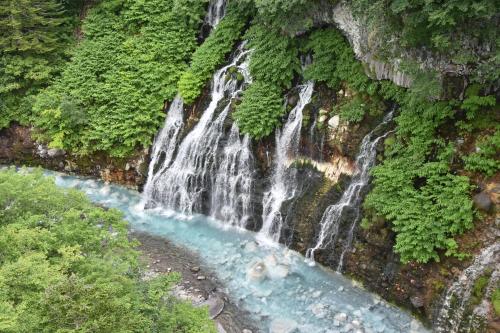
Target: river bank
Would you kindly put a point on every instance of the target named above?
(198, 285)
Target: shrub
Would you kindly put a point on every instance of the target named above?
(213, 51)
(67, 266)
(127, 65)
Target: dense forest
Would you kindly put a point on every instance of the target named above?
(96, 77)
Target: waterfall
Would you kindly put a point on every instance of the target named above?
(185, 183)
(283, 178)
(232, 189)
(216, 11)
(164, 147)
(352, 196)
(451, 316)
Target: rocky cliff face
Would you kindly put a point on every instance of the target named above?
(369, 48)
(18, 148)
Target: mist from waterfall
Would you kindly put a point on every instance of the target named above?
(352, 196)
(283, 178)
(451, 317)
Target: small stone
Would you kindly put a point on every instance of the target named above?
(195, 269)
(323, 112)
(482, 201)
(251, 247)
(54, 152)
(246, 331)
(215, 306)
(201, 277)
(341, 289)
(334, 121)
(417, 301)
(322, 118)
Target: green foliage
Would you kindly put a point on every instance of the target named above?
(259, 113)
(275, 57)
(480, 285)
(110, 96)
(34, 35)
(273, 63)
(68, 266)
(289, 16)
(415, 188)
(495, 299)
(486, 158)
(334, 62)
(213, 51)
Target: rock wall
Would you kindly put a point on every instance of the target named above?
(367, 46)
(18, 148)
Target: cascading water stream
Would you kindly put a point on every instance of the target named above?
(283, 179)
(352, 196)
(457, 298)
(185, 184)
(164, 147)
(232, 188)
(216, 11)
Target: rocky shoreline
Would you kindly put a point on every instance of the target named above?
(198, 284)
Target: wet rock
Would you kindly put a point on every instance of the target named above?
(483, 202)
(201, 277)
(215, 306)
(279, 272)
(292, 100)
(251, 247)
(417, 301)
(220, 328)
(257, 272)
(283, 326)
(195, 269)
(54, 152)
(340, 317)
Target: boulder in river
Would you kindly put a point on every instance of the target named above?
(257, 272)
(283, 326)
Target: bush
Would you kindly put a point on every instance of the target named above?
(260, 112)
(213, 51)
(415, 188)
(273, 63)
(128, 64)
(67, 266)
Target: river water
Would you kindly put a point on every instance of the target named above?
(282, 292)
